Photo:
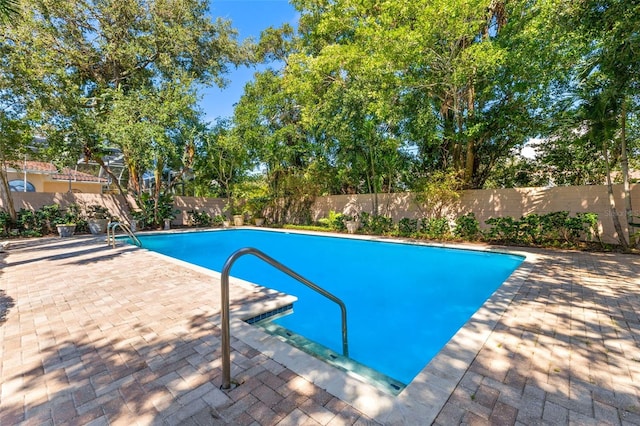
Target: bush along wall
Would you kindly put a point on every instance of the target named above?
(556, 229)
(43, 221)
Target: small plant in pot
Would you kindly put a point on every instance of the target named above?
(98, 219)
(238, 216)
(71, 221)
(66, 229)
(255, 207)
(237, 213)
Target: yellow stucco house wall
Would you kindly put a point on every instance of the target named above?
(44, 177)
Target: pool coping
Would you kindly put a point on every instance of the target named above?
(423, 398)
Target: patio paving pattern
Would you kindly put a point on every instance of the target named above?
(95, 335)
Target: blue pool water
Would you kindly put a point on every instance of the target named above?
(404, 301)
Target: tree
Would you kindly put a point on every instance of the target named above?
(269, 123)
(444, 78)
(605, 79)
(123, 69)
(15, 138)
(8, 9)
(222, 162)
(18, 84)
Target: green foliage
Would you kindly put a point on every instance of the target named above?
(152, 213)
(589, 225)
(5, 223)
(96, 211)
(205, 219)
(436, 228)
(43, 221)
(256, 205)
(29, 223)
(550, 229)
(375, 224)
(73, 214)
(222, 161)
(438, 193)
(53, 215)
(200, 218)
(334, 221)
(502, 229)
(9, 9)
(467, 227)
(407, 227)
(218, 220)
(93, 75)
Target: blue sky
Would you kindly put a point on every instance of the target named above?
(249, 18)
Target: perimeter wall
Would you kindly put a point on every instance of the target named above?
(487, 203)
(484, 203)
(119, 206)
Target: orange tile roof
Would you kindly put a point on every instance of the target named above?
(42, 167)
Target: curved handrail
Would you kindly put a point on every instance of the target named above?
(224, 287)
(111, 233)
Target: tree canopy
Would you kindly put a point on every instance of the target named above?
(121, 74)
(362, 97)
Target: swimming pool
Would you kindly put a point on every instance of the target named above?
(404, 301)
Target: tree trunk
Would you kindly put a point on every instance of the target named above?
(156, 191)
(612, 201)
(134, 181)
(108, 171)
(471, 149)
(373, 188)
(624, 163)
(5, 192)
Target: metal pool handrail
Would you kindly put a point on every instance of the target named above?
(224, 290)
(111, 233)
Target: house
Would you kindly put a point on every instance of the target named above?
(39, 176)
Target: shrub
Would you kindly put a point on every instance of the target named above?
(336, 220)
(375, 224)
(589, 225)
(201, 218)
(438, 193)
(29, 223)
(503, 229)
(546, 229)
(467, 227)
(96, 211)
(407, 227)
(554, 226)
(436, 228)
(218, 220)
(149, 215)
(530, 229)
(306, 227)
(5, 223)
(73, 214)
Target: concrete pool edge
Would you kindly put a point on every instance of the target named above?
(425, 396)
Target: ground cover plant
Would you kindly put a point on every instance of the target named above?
(554, 229)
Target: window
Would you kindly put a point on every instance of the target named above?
(17, 185)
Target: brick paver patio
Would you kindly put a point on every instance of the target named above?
(95, 335)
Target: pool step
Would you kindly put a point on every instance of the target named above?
(367, 374)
